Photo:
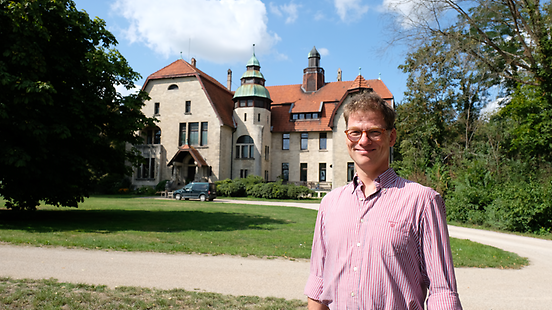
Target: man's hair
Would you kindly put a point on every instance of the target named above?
(370, 102)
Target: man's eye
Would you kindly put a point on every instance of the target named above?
(355, 133)
(375, 133)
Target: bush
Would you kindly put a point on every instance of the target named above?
(522, 207)
(254, 186)
(145, 190)
(161, 185)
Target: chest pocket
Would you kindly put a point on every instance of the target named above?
(391, 238)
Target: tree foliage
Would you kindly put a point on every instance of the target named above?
(493, 171)
(63, 125)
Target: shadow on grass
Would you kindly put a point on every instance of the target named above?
(107, 221)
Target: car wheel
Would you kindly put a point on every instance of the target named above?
(177, 197)
(202, 197)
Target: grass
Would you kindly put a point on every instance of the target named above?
(169, 226)
(50, 294)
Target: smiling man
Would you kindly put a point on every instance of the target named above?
(380, 242)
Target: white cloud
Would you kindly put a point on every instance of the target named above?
(290, 10)
(413, 12)
(349, 10)
(323, 51)
(125, 92)
(218, 31)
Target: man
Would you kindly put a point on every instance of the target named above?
(380, 242)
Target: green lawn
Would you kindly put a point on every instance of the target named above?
(159, 225)
(50, 294)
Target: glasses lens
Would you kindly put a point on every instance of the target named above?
(375, 134)
(354, 135)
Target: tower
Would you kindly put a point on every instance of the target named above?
(313, 75)
(252, 138)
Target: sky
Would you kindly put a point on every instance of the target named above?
(349, 35)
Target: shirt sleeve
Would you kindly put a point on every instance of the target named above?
(315, 282)
(437, 257)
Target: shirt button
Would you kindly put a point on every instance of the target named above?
(352, 294)
(358, 244)
(362, 220)
(355, 268)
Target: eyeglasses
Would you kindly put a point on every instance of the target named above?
(354, 134)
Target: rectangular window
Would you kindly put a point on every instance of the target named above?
(245, 151)
(285, 141)
(204, 132)
(188, 107)
(267, 152)
(285, 171)
(322, 172)
(149, 139)
(305, 141)
(242, 103)
(322, 141)
(157, 137)
(156, 108)
(252, 151)
(350, 171)
(250, 102)
(258, 117)
(245, 117)
(146, 170)
(243, 173)
(303, 172)
(266, 175)
(238, 151)
(182, 134)
(193, 135)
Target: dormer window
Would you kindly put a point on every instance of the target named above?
(304, 116)
(173, 87)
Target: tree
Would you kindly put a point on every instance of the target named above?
(63, 125)
(509, 39)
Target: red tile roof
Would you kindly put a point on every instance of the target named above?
(181, 153)
(219, 96)
(287, 99)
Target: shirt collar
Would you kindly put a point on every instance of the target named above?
(384, 180)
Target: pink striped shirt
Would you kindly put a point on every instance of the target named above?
(385, 251)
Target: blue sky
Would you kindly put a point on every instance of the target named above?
(349, 34)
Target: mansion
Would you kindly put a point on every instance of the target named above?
(206, 132)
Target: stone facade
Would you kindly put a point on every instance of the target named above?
(207, 132)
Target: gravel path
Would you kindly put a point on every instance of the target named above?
(528, 288)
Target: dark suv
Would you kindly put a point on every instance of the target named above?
(196, 190)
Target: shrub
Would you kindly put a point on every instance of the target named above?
(145, 190)
(522, 207)
(161, 185)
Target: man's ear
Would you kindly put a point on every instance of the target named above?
(393, 137)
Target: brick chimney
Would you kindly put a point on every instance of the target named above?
(193, 62)
(229, 80)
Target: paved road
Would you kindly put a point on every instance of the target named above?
(528, 288)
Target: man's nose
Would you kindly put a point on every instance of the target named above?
(364, 138)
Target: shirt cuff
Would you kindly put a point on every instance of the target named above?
(314, 287)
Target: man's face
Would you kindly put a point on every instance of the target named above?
(370, 156)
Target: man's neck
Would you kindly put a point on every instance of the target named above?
(368, 178)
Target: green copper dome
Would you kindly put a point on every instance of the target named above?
(314, 52)
(253, 61)
(253, 74)
(251, 90)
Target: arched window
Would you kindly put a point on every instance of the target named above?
(245, 147)
(173, 87)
